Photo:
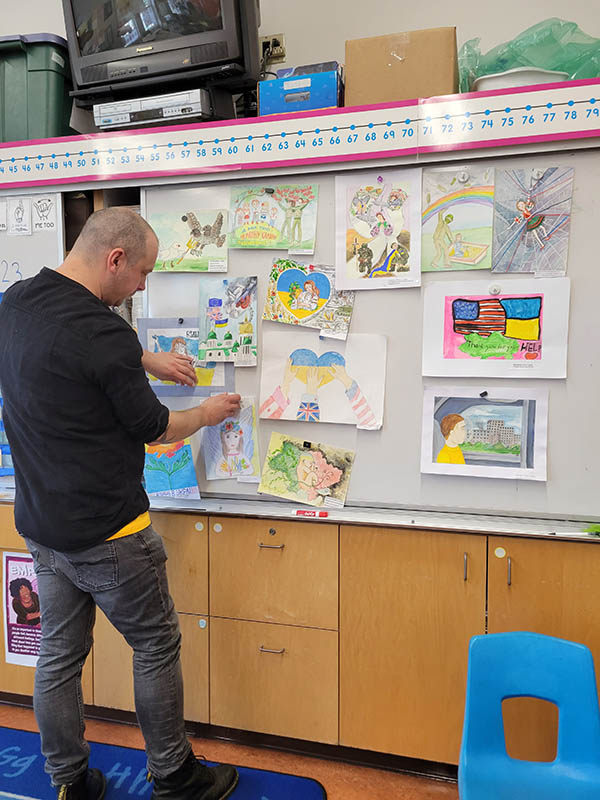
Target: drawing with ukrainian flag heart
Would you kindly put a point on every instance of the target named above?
(307, 379)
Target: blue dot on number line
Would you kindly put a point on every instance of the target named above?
(13, 159)
(317, 130)
(370, 124)
(353, 127)
(266, 135)
(231, 140)
(95, 152)
(571, 103)
(250, 138)
(26, 158)
(527, 108)
(170, 144)
(448, 116)
(334, 129)
(548, 105)
(38, 158)
(139, 147)
(407, 121)
(109, 150)
(216, 141)
(200, 142)
(487, 112)
(467, 113)
(300, 133)
(592, 100)
(388, 123)
(67, 155)
(507, 110)
(283, 133)
(154, 146)
(81, 152)
(52, 156)
(427, 119)
(124, 149)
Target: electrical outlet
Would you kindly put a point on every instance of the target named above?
(272, 48)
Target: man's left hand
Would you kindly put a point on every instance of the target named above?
(170, 367)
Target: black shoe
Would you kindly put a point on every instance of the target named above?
(90, 786)
(195, 781)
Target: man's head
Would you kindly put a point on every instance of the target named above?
(454, 429)
(121, 248)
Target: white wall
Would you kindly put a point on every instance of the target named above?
(315, 30)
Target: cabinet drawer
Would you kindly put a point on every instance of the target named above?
(274, 571)
(9, 538)
(113, 667)
(186, 541)
(290, 692)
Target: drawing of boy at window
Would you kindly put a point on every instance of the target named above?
(454, 431)
(309, 410)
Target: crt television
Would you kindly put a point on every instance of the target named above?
(117, 46)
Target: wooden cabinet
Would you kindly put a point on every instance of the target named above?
(547, 587)
(272, 571)
(274, 679)
(186, 541)
(409, 603)
(113, 667)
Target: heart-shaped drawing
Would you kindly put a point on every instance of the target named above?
(303, 358)
(303, 294)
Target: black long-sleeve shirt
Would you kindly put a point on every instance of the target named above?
(77, 411)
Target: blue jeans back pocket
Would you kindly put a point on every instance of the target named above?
(97, 567)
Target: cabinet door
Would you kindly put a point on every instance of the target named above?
(9, 538)
(194, 666)
(553, 588)
(274, 679)
(274, 571)
(186, 541)
(409, 603)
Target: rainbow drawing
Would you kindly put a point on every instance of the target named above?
(480, 195)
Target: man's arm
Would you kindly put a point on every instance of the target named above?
(211, 412)
(170, 367)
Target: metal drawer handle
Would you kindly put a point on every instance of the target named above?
(466, 567)
(271, 546)
(509, 576)
(266, 650)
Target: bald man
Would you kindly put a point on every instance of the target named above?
(78, 409)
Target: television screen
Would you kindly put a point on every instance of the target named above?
(107, 24)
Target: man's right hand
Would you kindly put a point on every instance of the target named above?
(216, 409)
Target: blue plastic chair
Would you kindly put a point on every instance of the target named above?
(503, 665)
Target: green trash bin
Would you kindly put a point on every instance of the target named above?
(35, 80)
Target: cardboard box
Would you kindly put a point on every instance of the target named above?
(299, 90)
(401, 66)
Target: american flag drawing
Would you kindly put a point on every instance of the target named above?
(308, 411)
(479, 316)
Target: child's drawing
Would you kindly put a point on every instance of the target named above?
(517, 333)
(227, 321)
(319, 382)
(275, 218)
(501, 435)
(306, 472)
(458, 210)
(19, 216)
(172, 335)
(378, 229)
(169, 471)
(532, 220)
(231, 449)
(304, 294)
(192, 241)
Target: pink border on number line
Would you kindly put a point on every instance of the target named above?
(323, 112)
(536, 87)
(223, 168)
(542, 137)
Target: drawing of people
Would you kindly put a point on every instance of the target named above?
(264, 213)
(239, 216)
(381, 226)
(255, 210)
(307, 300)
(246, 214)
(273, 217)
(442, 239)
(533, 222)
(459, 246)
(298, 207)
(179, 345)
(26, 603)
(307, 472)
(454, 431)
(365, 258)
(396, 199)
(286, 228)
(233, 461)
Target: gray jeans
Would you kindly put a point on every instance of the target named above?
(127, 579)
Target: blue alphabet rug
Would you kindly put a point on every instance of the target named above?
(22, 775)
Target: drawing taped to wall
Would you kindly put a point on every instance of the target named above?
(305, 294)
(500, 435)
(306, 472)
(227, 319)
(532, 220)
(169, 471)
(378, 229)
(181, 335)
(514, 332)
(457, 220)
(192, 241)
(310, 380)
(230, 449)
(280, 217)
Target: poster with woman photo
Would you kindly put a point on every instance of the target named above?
(22, 622)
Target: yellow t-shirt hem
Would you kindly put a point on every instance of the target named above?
(136, 525)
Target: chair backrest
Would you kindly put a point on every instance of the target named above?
(521, 664)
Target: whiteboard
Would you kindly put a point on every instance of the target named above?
(386, 471)
(36, 241)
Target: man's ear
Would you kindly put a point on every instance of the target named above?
(116, 260)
